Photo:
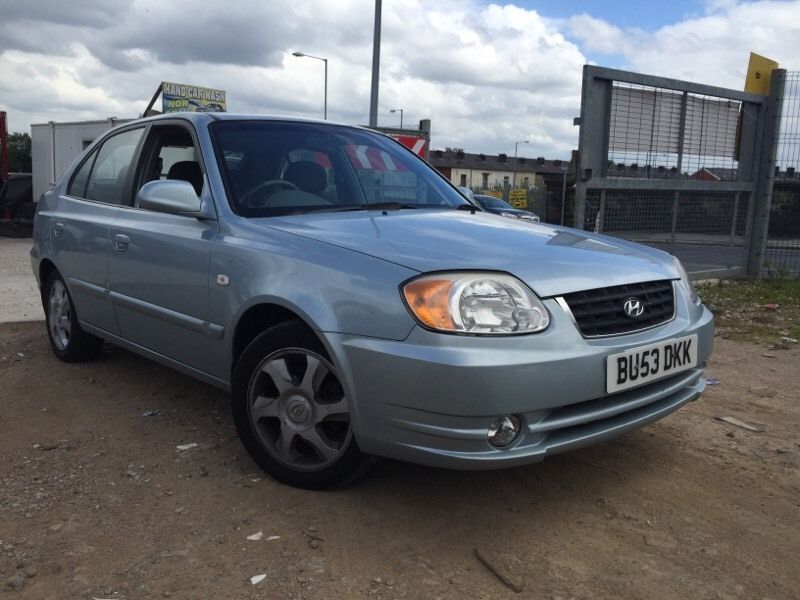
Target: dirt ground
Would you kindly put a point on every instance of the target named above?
(19, 295)
(96, 501)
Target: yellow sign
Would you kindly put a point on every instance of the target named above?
(759, 73)
(518, 198)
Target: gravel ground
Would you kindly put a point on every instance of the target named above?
(19, 296)
(96, 501)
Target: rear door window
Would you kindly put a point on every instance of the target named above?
(77, 187)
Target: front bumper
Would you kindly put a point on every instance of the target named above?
(431, 398)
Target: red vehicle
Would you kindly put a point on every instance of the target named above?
(16, 192)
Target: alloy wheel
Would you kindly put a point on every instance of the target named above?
(298, 409)
(59, 314)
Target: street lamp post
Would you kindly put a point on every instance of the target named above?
(325, 60)
(514, 175)
(376, 67)
(400, 110)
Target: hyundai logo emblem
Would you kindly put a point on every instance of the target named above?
(633, 308)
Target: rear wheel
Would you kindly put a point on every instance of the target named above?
(291, 410)
(68, 340)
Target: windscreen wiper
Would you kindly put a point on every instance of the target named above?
(375, 206)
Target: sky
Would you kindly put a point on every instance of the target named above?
(486, 74)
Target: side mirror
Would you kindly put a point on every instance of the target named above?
(173, 196)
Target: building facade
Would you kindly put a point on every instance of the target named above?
(484, 172)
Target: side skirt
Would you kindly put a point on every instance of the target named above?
(159, 358)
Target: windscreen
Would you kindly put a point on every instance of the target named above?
(491, 202)
(274, 168)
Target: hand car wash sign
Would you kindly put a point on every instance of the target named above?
(179, 97)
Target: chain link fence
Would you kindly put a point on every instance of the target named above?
(669, 217)
(782, 257)
(706, 230)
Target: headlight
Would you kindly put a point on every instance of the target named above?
(508, 214)
(687, 283)
(479, 303)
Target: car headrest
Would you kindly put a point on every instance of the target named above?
(187, 170)
(307, 175)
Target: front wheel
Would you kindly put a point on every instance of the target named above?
(291, 410)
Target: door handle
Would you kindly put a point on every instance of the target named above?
(120, 241)
(58, 229)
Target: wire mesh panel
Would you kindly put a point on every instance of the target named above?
(709, 144)
(706, 230)
(631, 213)
(719, 217)
(537, 201)
(712, 215)
(645, 125)
(783, 246)
(661, 133)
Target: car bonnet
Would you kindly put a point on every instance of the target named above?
(552, 260)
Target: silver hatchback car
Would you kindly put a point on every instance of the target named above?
(354, 303)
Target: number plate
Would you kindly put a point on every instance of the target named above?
(644, 364)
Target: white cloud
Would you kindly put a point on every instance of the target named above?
(713, 48)
(596, 35)
(486, 75)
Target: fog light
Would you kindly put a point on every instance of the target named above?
(504, 430)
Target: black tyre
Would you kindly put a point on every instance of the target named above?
(291, 411)
(68, 340)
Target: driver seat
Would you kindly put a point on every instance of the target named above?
(307, 176)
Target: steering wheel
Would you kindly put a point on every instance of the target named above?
(250, 199)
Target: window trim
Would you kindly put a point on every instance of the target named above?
(91, 156)
(146, 146)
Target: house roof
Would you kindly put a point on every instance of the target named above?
(495, 162)
(718, 173)
(636, 171)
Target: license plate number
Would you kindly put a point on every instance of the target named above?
(644, 364)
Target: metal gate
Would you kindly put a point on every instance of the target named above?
(678, 165)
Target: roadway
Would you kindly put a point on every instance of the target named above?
(708, 258)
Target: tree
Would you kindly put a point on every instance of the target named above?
(19, 153)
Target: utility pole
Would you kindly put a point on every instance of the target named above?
(376, 66)
(514, 171)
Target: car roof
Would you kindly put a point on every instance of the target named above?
(203, 118)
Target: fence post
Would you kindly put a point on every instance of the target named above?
(733, 217)
(579, 211)
(759, 232)
(600, 222)
(675, 199)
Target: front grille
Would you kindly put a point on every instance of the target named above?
(601, 311)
